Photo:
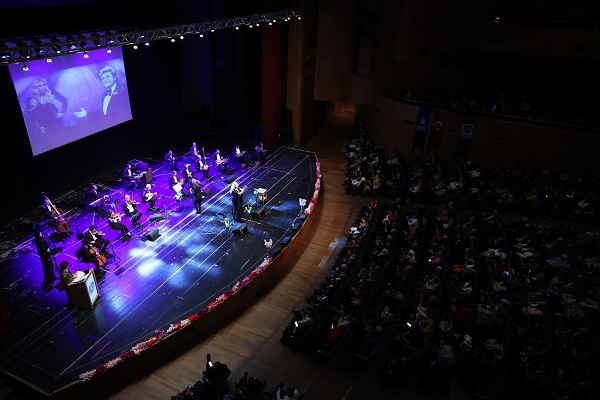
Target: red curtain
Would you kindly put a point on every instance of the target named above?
(274, 62)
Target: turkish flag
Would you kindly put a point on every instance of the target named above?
(437, 127)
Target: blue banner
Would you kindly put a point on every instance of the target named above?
(421, 129)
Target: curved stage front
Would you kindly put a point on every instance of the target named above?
(181, 276)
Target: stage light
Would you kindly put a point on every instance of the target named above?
(173, 40)
(25, 67)
(201, 35)
(48, 60)
(108, 50)
(257, 24)
(237, 28)
(270, 23)
(181, 37)
(147, 43)
(96, 42)
(135, 46)
(212, 30)
(299, 17)
(85, 55)
(250, 26)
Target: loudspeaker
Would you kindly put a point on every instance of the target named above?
(152, 236)
(149, 175)
(141, 166)
(285, 241)
(241, 231)
(230, 179)
(258, 214)
(155, 217)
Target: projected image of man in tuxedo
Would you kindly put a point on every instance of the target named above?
(114, 99)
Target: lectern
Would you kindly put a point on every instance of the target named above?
(84, 291)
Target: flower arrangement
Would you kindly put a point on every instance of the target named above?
(160, 335)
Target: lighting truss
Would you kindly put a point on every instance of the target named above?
(38, 48)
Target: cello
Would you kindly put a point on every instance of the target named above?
(99, 257)
(61, 223)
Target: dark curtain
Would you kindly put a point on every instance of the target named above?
(274, 62)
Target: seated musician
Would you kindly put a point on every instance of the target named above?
(220, 160)
(130, 211)
(202, 166)
(150, 197)
(260, 152)
(194, 150)
(96, 238)
(130, 175)
(176, 185)
(92, 194)
(188, 174)
(114, 221)
(238, 153)
(89, 254)
(170, 159)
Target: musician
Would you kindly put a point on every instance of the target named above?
(130, 211)
(202, 166)
(260, 152)
(220, 160)
(238, 153)
(188, 174)
(129, 175)
(174, 181)
(44, 251)
(92, 194)
(55, 214)
(114, 221)
(237, 200)
(96, 238)
(89, 254)
(148, 196)
(197, 194)
(194, 150)
(170, 159)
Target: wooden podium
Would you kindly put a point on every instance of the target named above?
(84, 293)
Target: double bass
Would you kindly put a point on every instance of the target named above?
(61, 223)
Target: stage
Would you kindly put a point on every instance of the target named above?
(174, 265)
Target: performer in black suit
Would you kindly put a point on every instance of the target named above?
(130, 211)
(202, 166)
(220, 161)
(260, 153)
(150, 197)
(188, 174)
(197, 194)
(44, 251)
(194, 150)
(114, 221)
(92, 194)
(237, 200)
(171, 160)
(96, 238)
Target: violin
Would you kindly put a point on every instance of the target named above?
(99, 257)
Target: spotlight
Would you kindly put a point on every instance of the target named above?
(135, 46)
(201, 35)
(25, 67)
(85, 55)
(250, 26)
(181, 37)
(173, 40)
(108, 50)
(237, 28)
(48, 60)
(96, 42)
(212, 30)
(299, 17)
(147, 44)
(257, 24)
(270, 23)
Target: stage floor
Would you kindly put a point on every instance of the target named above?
(150, 284)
